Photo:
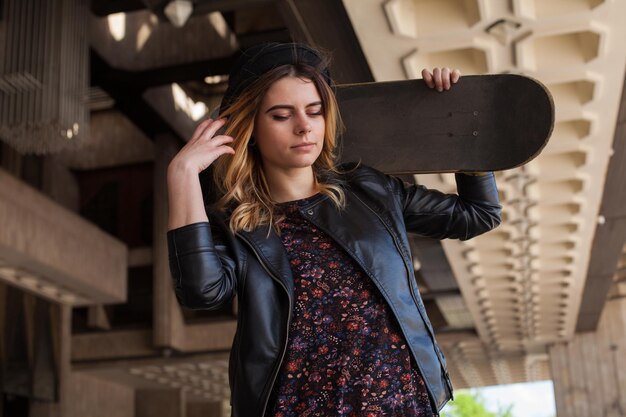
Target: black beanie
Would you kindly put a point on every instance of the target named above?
(257, 60)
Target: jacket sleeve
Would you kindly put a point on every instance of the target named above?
(475, 210)
(202, 268)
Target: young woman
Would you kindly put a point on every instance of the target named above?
(330, 318)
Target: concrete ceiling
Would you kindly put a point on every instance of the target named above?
(522, 284)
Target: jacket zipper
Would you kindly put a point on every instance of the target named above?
(414, 296)
(284, 350)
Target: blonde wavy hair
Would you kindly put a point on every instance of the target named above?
(240, 178)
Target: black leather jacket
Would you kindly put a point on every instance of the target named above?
(210, 265)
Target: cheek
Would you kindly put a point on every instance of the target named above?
(269, 139)
(263, 131)
(321, 125)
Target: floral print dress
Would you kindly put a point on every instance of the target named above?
(346, 354)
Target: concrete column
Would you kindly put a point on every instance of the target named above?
(589, 372)
(60, 184)
(90, 396)
(11, 160)
(168, 323)
(160, 403)
(62, 315)
(208, 409)
(169, 328)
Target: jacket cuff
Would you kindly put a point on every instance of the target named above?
(189, 238)
(477, 187)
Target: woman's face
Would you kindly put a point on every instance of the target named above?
(289, 127)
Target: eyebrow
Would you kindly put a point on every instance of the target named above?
(289, 107)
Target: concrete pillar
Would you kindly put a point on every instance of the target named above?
(168, 323)
(90, 396)
(169, 328)
(208, 409)
(589, 372)
(63, 340)
(60, 184)
(160, 403)
(10, 160)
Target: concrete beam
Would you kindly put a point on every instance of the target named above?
(610, 234)
(203, 377)
(67, 260)
(125, 344)
(137, 41)
(326, 23)
(112, 345)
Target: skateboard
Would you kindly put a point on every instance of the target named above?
(483, 123)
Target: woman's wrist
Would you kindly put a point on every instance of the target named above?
(186, 204)
(178, 172)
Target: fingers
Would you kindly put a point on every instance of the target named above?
(437, 78)
(441, 78)
(204, 147)
(205, 152)
(200, 129)
(207, 129)
(454, 77)
(445, 78)
(213, 128)
(220, 140)
(223, 150)
(218, 147)
(428, 78)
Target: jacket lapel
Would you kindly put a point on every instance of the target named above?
(361, 233)
(271, 254)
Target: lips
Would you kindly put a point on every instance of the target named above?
(304, 146)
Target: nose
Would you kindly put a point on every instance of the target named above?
(303, 126)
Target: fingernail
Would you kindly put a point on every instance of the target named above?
(439, 89)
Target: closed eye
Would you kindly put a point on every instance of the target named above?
(281, 118)
(288, 107)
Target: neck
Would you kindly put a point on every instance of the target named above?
(291, 185)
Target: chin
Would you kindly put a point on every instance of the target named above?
(304, 161)
(303, 164)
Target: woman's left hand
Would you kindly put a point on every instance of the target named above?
(441, 78)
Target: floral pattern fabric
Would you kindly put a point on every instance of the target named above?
(346, 354)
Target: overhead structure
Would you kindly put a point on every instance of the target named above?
(521, 284)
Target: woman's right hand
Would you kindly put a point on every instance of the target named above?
(186, 204)
(203, 148)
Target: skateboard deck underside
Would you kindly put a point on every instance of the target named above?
(483, 123)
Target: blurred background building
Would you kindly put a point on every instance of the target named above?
(97, 96)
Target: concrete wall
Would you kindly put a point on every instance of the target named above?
(93, 397)
(589, 372)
